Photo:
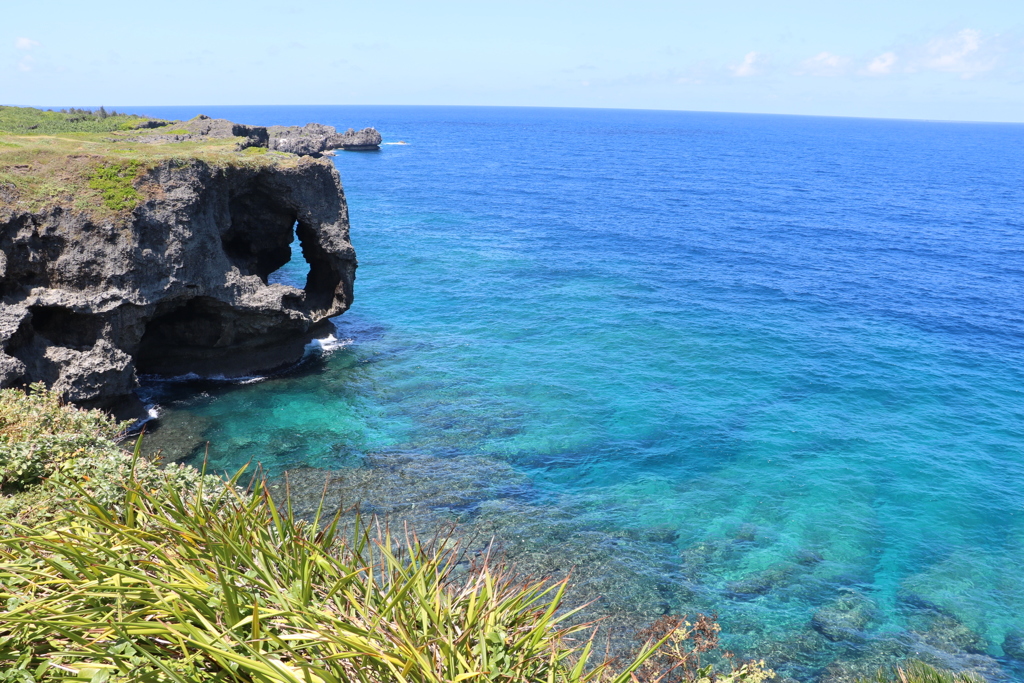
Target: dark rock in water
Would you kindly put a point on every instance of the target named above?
(697, 558)
(862, 662)
(315, 138)
(938, 627)
(764, 581)
(845, 618)
(177, 436)
(180, 285)
(808, 557)
(947, 633)
(355, 140)
(1013, 645)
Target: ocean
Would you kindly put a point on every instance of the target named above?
(770, 367)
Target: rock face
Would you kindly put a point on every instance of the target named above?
(178, 287)
(315, 138)
(203, 128)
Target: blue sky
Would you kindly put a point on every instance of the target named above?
(940, 59)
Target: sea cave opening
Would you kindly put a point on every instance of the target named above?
(295, 271)
(264, 237)
(259, 235)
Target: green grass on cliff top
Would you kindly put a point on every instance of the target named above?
(95, 164)
(26, 120)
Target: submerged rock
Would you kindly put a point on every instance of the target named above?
(177, 286)
(762, 582)
(845, 618)
(938, 626)
(947, 633)
(1013, 645)
(176, 436)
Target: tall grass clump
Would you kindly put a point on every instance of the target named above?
(190, 589)
(915, 671)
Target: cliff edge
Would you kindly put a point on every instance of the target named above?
(120, 258)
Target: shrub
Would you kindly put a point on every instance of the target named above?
(48, 450)
(680, 659)
(115, 181)
(27, 120)
(38, 435)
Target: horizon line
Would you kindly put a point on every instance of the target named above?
(534, 106)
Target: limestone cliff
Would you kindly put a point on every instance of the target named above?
(313, 139)
(178, 283)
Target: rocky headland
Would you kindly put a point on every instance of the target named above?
(312, 139)
(146, 251)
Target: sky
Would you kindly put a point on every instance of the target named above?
(936, 59)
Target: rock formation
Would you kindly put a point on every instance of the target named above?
(178, 286)
(313, 139)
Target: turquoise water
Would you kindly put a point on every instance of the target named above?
(767, 366)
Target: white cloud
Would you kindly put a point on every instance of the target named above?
(882, 64)
(962, 54)
(25, 43)
(750, 66)
(824, 64)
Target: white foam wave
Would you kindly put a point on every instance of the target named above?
(325, 346)
(152, 413)
(192, 377)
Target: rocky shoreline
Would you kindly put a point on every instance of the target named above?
(177, 283)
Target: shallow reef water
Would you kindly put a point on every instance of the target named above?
(769, 367)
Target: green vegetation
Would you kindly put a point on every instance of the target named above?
(98, 164)
(48, 449)
(115, 181)
(114, 570)
(26, 120)
(919, 672)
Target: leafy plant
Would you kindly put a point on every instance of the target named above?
(115, 181)
(49, 449)
(680, 659)
(38, 434)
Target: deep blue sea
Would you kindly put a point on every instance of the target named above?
(767, 366)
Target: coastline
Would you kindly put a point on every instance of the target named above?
(742, 436)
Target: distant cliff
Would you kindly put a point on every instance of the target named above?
(154, 258)
(313, 139)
